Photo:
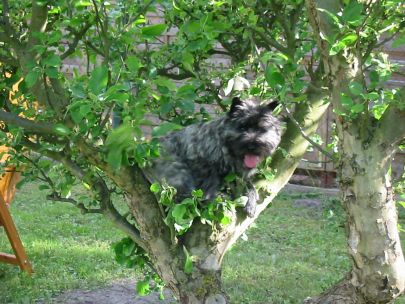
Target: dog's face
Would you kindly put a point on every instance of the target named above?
(252, 133)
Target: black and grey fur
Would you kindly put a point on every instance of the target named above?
(201, 155)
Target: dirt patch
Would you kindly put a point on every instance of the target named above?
(117, 293)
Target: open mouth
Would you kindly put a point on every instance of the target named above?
(251, 160)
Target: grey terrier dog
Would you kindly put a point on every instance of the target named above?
(201, 155)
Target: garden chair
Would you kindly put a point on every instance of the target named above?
(8, 181)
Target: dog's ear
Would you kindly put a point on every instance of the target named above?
(271, 106)
(236, 105)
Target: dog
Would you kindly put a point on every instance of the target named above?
(201, 155)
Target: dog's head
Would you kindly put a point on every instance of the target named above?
(252, 133)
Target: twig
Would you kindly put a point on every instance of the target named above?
(94, 48)
(78, 35)
(107, 116)
(141, 11)
(56, 197)
(270, 42)
(313, 143)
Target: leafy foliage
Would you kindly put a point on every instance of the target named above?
(129, 254)
(96, 123)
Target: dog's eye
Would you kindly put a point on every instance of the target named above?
(243, 128)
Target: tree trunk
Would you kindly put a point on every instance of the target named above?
(378, 273)
(203, 286)
(373, 239)
(366, 149)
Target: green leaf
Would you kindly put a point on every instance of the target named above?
(355, 88)
(372, 96)
(187, 106)
(166, 82)
(82, 3)
(342, 43)
(155, 188)
(378, 110)
(61, 129)
(188, 61)
(118, 141)
(197, 193)
(133, 63)
(119, 97)
(128, 249)
(78, 90)
(32, 77)
(352, 13)
(143, 288)
(225, 220)
(187, 90)
(178, 212)
(332, 16)
(165, 128)
(153, 30)
(346, 101)
(274, 77)
(98, 79)
(230, 177)
(55, 37)
(51, 72)
(374, 77)
(52, 61)
(349, 39)
(188, 264)
(357, 108)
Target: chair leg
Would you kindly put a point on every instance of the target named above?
(20, 258)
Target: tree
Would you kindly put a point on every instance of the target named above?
(59, 125)
(370, 125)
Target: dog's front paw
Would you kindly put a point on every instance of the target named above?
(250, 207)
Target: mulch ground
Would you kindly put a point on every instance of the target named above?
(118, 293)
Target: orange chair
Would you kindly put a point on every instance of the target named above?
(8, 181)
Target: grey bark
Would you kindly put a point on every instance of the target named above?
(366, 149)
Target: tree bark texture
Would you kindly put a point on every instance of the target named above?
(366, 148)
(373, 239)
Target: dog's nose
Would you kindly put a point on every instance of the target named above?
(251, 146)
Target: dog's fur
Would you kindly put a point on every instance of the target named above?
(201, 155)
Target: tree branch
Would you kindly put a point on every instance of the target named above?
(98, 185)
(10, 34)
(94, 48)
(270, 42)
(78, 35)
(26, 124)
(39, 20)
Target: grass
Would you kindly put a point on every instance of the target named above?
(291, 253)
(68, 250)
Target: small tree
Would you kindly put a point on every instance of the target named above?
(370, 123)
(65, 118)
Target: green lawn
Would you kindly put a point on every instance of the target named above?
(291, 253)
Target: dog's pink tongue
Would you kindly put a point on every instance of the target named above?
(251, 161)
